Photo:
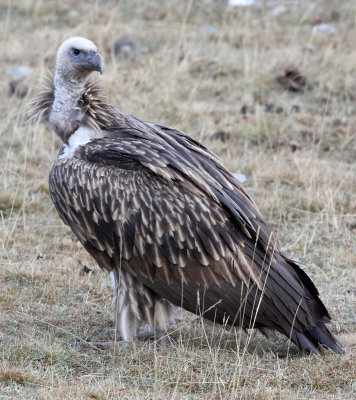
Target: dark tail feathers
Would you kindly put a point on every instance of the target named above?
(310, 340)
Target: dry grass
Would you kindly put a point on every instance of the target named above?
(300, 164)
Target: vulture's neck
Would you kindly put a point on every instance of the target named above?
(66, 113)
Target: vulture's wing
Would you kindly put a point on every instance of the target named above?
(160, 214)
(192, 163)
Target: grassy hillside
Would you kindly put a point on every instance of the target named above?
(283, 91)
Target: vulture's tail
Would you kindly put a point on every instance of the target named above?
(319, 335)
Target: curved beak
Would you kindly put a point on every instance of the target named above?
(95, 61)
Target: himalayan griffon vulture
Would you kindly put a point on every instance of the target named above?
(160, 212)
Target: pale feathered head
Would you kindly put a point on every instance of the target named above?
(77, 57)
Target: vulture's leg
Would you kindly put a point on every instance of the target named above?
(133, 305)
(139, 315)
(127, 311)
(140, 312)
(127, 302)
(164, 313)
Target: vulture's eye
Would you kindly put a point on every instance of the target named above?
(75, 52)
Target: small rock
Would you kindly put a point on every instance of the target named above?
(85, 270)
(337, 122)
(244, 109)
(351, 290)
(241, 3)
(294, 146)
(272, 108)
(340, 122)
(240, 177)
(276, 144)
(293, 80)
(126, 47)
(323, 30)
(221, 135)
(18, 88)
(19, 71)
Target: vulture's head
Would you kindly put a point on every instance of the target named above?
(77, 57)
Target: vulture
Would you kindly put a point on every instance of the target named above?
(171, 224)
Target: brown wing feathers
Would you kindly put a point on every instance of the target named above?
(161, 249)
(162, 206)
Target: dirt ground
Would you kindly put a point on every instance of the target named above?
(271, 88)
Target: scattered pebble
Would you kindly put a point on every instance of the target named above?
(244, 109)
(351, 290)
(340, 122)
(292, 80)
(294, 146)
(126, 47)
(240, 177)
(272, 108)
(323, 30)
(18, 88)
(19, 71)
(85, 270)
(241, 3)
(277, 143)
(221, 135)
